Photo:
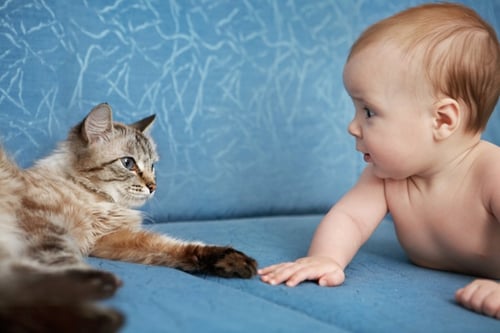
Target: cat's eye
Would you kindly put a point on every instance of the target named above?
(128, 163)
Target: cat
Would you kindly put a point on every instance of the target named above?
(79, 201)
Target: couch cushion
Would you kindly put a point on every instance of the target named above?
(383, 291)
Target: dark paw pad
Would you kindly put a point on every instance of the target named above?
(228, 262)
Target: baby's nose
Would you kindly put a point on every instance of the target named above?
(354, 128)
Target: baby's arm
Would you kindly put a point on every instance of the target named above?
(340, 234)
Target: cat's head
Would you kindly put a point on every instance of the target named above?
(114, 159)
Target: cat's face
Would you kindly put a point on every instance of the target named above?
(116, 159)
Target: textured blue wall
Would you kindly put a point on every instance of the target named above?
(252, 114)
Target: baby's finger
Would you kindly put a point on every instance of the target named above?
(281, 273)
(464, 295)
(301, 274)
(491, 304)
(269, 269)
(316, 273)
(269, 274)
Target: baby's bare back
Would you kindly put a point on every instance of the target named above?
(452, 223)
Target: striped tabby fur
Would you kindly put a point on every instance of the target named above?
(77, 202)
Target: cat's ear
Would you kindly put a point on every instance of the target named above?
(144, 125)
(98, 123)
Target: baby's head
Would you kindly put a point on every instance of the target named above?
(455, 50)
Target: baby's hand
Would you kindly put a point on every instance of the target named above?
(323, 269)
(481, 296)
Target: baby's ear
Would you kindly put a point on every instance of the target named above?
(144, 125)
(447, 118)
(98, 123)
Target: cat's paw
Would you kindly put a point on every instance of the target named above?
(94, 284)
(228, 262)
(65, 286)
(74, 318)
(100, 320)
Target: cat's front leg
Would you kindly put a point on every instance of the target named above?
(145, 247)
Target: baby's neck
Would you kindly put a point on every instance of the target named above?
(450, 157)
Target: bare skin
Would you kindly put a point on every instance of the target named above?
(442, 193)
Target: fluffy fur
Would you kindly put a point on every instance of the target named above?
(77, 202)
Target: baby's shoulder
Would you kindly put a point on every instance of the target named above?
(486, 164)
(487, 155)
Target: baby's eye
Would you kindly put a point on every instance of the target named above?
(369, 113)
(128, 163)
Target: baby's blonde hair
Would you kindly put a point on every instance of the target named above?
(457, 49)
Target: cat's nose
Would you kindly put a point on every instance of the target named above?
(151, 187)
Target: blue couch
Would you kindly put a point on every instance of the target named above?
(251, 128)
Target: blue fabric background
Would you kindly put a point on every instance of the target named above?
(252, 114)
(252, 119)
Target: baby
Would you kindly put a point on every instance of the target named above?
(424, 83)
